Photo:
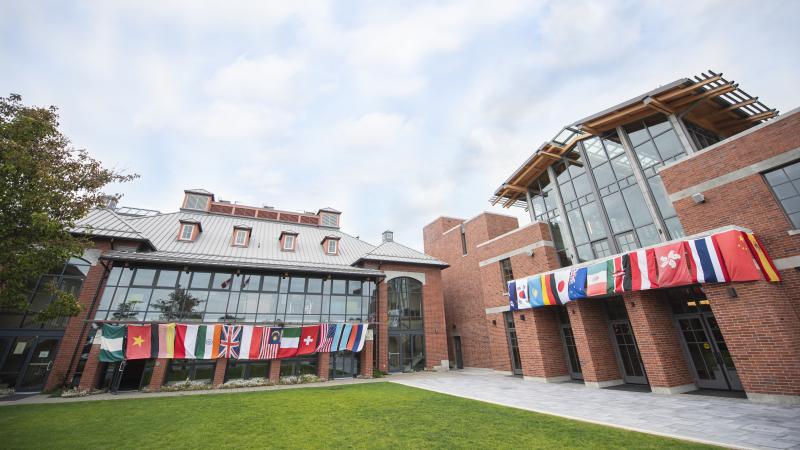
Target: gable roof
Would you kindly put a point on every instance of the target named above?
(107, 223)
(394, 252)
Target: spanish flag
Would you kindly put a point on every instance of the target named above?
(762, 259)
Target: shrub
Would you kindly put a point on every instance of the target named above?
(301, 379)
(378, 373)
(187, 385)
(240, 383)
(75, 392)
(6, 391)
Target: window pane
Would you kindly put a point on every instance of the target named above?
(217, 301)
(270, 283)
(200, 280)
(248, 303)
(567, 192)
(313, 304)
(144, 277)
(636, 205)
(315, 285)
(669, 145)
(125, 277)
(784, 190)
(594, 221)
(221, 281)
(251, 282)
(295, 304)
(617, 213)
(353, 307)
(648, 235)
(268, 303)
(662, 199)
(113, 276)
(626, 242)
(647, 154)
(622, 167)
(338, 304)
(339, 286)
(167, 278)
(585, 253)
(675, 228)
(137, 298)
(791, 205)
(578, 227)
(613, 147)
(298, 284)
(582, 186)
(105, 300)
(601, 249)
(603, 175)
(637, 133)
(594, 151)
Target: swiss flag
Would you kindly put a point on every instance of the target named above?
(309, 338)
(138, 342)
(673, 265)
(737, 256)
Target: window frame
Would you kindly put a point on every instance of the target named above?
(335, 243)
(775, 196)
(288, 244)
(506, 273)
(237, 231)
(184, 226)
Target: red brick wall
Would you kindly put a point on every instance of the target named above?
(323, 365)
(275, 371)
(383, 327)
(91, 371)
(365, 359)
(595, 349)
(219, 371)
(159, 374)
(540, 348)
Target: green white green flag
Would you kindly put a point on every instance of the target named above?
(111, 343)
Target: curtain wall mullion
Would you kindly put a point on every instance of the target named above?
(683, 134)
(612, 241)
(566, 230)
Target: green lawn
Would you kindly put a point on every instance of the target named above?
(378, 415)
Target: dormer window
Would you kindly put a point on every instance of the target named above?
(241, 236)
(197, 199)
(188, 230)
(288, 241)
(330, 244)
(329, 217)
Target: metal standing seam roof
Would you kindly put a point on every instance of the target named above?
(107, 223)
(392, 251)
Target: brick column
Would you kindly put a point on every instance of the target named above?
(761, 329)
(366, 359)
(219, 371)
(497, 345)
(323, 365)
(275, 371)
(91, 371)
(541, 351)
(595, 349)
(383, 327)
(436, 356)
(658, 342)
(159, 375)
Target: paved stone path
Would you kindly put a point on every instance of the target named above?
(722, 421)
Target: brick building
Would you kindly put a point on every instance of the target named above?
(217, 262)
(688, 159)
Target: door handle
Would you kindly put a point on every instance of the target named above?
(49, 366)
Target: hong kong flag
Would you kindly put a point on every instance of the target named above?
(309, 338)
(673, 265)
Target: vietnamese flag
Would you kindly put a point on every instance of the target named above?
(138, 342)
(308, 340)
(737, 256)
(673, 265)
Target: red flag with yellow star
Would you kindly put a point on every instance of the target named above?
(138, 345)
(737, 256)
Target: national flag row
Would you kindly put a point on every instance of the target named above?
(722, 257)
(189, 341)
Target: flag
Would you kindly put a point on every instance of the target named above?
(577, 283)
(111, 344)
(673, 265)
(226, 283)
(562, 278)
(707, 266)
(166, 340)
(737, 256)
(596, 279)
(762, 259)
(523, 294)
(290, 339)
(138, 342)
(615, 273)
(642, 274)
(309, 338)
(246, 342)
(342, 344)
(354, 338)
(327, 332)
(362, 339)
(549, 296)
(207, 341)
(337, 337)
(535, 291)
(185, 341)
(270, 343)
(512, 295)
(256, 341)
(230, 341)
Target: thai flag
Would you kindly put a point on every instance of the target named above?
(327, 331)
(707, 266)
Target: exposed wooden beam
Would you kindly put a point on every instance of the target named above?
(496, 200)
(711, 93)
(514, 188)
(733, 107)
(743, 120)
(658, 105)
(591, 130)
(667, 96)
(550, 155)
(511, 199)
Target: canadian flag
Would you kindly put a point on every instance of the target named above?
(673, 265)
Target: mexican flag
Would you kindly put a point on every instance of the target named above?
(111, 343)
(596, 279)
(290, 340)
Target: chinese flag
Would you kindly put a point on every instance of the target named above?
(673, 265)
(308, 340)
(138, 342)
(737, 256)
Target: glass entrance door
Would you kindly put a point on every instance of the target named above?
(344, 365)
(627, 352)
(573, 363)
(25, 361)
(457, 351)
(513, 344)
(709, 356)
(406, 352)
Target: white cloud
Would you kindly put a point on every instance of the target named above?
(272, 79)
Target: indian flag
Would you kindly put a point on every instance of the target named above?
(111, 343)
(207, 341)
(596, 279)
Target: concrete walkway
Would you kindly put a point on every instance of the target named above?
(728, 422)
(40, 399)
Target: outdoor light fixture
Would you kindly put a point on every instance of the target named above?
(698, 197)
(494, 322)
(522, 317)
(732, 292)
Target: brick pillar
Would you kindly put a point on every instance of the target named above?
(159, 375)
(219, 371)
(595, 349)
(498, 343)
(659, 343)
(762, 331)
(275, 371)
(323, 365)
(435, 327)
(383, 327)
(541, 351)
(366, 359)
(91, 371)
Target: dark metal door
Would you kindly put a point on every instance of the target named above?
(513, 344)
(571, 351)
(630, 363)
(457, 351)
(708, 354)
(38, 364)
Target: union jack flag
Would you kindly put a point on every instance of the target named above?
(270, 342)
(229, 341)
(327, 331)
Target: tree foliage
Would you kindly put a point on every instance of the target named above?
(180, 306)
(45, 187)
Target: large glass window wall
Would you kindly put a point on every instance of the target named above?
(545, 209)
(149, 294)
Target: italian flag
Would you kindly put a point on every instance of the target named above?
(596, 279)
(290, 340)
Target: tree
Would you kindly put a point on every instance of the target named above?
(180, 306)
(45, 187)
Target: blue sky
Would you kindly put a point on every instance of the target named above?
(392, 112)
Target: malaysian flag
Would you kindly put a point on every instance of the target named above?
(270, 342)
(326, 331)
(229, 341)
